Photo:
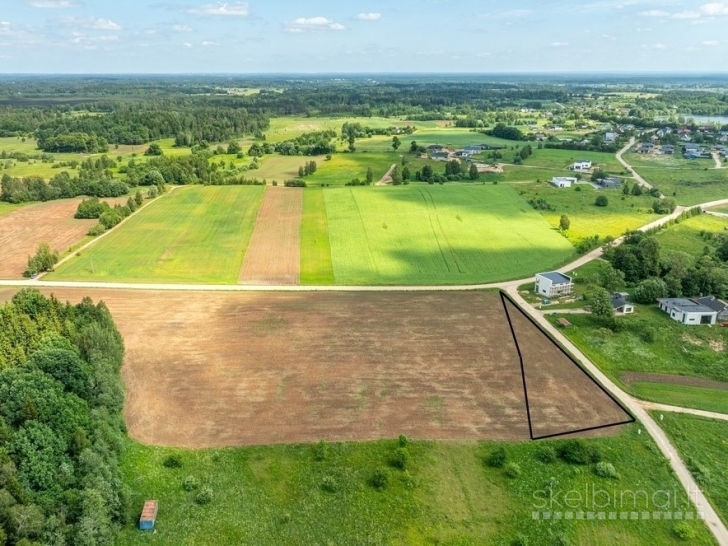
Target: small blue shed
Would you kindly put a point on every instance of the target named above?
(149, 515)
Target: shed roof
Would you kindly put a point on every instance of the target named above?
(555, 277)
(149, 512)
(711, 301)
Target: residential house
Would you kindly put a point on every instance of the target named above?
(553, 284)
(620, 305)
(716, 305)
(432, 148)
(563, 181)
(581, 165)
(610, 183)
(609, 137)
(663, 132)
(645, 148)
(462, 153)
(686, 138)
(440, 156)
(667, 149)
(688, 311)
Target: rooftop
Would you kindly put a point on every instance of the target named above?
(556, 277)
(684, 304)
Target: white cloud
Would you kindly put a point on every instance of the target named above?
(685, 15)
(90, 22)
(181, 28)
(659, 46)
(560, 44)
(208, 44)
(369, 16)
(711, 43)
(226, 9)
(304, 24)
(655, 13)
(187, 45)
(481, 55)
(715, 8)
(79, 38)
(53, 4)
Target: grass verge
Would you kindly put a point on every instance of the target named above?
(316, 266)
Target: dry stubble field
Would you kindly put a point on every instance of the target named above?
(225, 369)
(22, 230)
(274, 252)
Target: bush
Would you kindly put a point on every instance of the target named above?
(684, 531)
(601, 201)
(578, 452)
(204, 495)
(606, 470)
(97, 230)
(172, 461)
(295, 183)
(400, 458)
(190, 483)
(546, 454)
(403, 441)
(379, 479)
(328, 483)
(320, 451)
(497, 458)
(43, 261)
(512, 470)
(649, 290)
(91, 208)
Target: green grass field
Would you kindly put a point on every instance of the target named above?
(683, 395)
(688, 186)
(587, 219)
(427, 234)
(676, 349)
(6, 208)
(703, 445)
(302, 494)
(316, 267)
(195, 234)
(686, 237)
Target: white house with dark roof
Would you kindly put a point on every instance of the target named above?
(553, 284)
(688, 311)
(563, 181)
(581, 165)
(620, 305)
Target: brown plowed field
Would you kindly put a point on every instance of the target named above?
(21, 232)
(224, 369)
(274, 252)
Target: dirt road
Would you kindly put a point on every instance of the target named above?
(641, 181)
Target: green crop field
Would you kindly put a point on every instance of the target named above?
(323, 494)
(587, 219)
(428, 234)
(562, 159)
(5, 208)
(195, 234)
(703, 445)
(686, 236)
(693, 352)
(316, 267)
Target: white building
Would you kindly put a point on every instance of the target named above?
(688, 311)
(581, 165)
(563, 181)
(553, 284)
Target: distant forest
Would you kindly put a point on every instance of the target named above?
(88, 114)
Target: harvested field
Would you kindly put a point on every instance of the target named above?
(274, 252)
(223, 369)
(22, 230)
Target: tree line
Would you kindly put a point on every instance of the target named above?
(61, 428)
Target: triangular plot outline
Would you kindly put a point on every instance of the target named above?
(506, 297)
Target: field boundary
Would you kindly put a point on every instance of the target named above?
(507, 298)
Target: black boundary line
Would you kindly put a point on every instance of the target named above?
(523, 371)
(632, 419)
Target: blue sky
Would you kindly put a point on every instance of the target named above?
(157, 36)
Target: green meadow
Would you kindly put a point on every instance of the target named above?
(429, 234)
(688, 235)
(685, 396)
(688, 185)
(316, 267)
(195, 234)
(447, 494)
(703, 445)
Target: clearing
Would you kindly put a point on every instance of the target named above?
(430, 234)
(196, 234)
(23, 229)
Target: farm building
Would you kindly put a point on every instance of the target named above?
(620, 305)
(553, 284)
(688, 311)
(563, 181)
(149, 515)
(440, 156)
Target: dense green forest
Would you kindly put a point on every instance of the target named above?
(61, 428)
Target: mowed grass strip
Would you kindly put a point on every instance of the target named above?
(196, 234)
(316, 266)
(684, 396)
(426, 234)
